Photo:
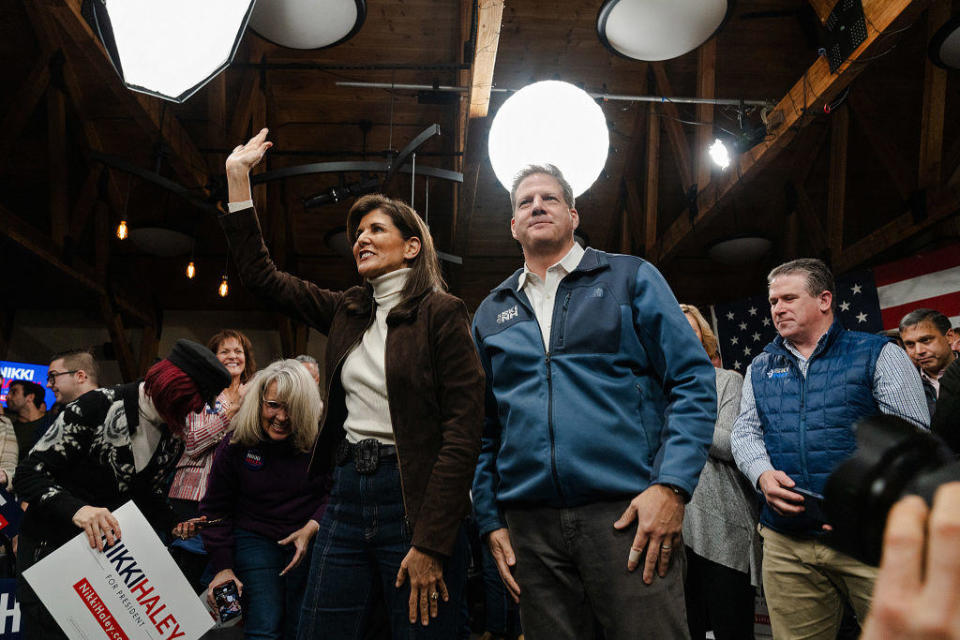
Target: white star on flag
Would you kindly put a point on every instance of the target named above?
(752, 311)
(857, 288)
(861, 317)
(730, 315)
(844, 306)
(766, 322)
(737, 364)
(756, 337)
(743, 326)
(734, 340)
(746, 351)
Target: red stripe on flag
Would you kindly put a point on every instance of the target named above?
(917, 266)
(947, 304)
(99, 610)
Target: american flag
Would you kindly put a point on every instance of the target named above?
(869, 301)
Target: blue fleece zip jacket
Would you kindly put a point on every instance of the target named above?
(624, 396)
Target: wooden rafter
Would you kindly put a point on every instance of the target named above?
(867, 117)
(706, 88)
(57, 165)
(28, 96)
(651, 186)
(678, 139)
(489, 20)
(837, 188)
(43, 247)
(792, 113)
(148, 112)
(934, 103)
(823, 8)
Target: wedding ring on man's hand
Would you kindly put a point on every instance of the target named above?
(435, 596)
(664, 547)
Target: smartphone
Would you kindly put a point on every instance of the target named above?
(228, 600)
(203, 524)
(812, 504)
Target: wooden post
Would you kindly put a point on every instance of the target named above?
(839, 134)
(934, 101)
(652, 250)
(706, 88)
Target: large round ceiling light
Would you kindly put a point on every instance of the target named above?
(550, 122)
(655, 30)
(308, 24)
(170, 49)
(945, 44)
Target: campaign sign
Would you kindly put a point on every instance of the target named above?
(10, 515)
(9, 610)
(25, 371)
(130, 591)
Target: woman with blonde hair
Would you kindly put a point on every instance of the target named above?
(402, 417)
(266, 506)
(719, 525)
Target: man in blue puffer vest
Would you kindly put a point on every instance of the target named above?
(801, 396)
(600, 411)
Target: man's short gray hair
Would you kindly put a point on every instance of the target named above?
(305, 358)
(818, 276)
(915, 317)
(545, 169)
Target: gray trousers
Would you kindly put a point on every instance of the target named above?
(572, 571)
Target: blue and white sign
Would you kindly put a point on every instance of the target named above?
(9, 610)
(24, 371)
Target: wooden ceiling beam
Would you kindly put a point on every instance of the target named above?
(28, 95)
(489, 21)
(795, 111)
(148, 112)
(678, 139)
(934, 104)
(867, 117)
(58, 171)
(651, 248)
(28, 237)
(940, 203)
(823, 8)
(706, 88)
(837, 187)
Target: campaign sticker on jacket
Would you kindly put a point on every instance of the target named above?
(253, 459)
(131, 590)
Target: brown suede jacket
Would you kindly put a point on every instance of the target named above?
(434, 381)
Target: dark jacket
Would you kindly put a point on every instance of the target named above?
(264, 489)
(946, 419)
(85, 458)
(434, 381)
(622, 397)
(808, 421)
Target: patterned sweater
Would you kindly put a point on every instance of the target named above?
(86, 458)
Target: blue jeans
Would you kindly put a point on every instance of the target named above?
(271, 603)
(356, 558)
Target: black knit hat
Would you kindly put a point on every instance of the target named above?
(198, 362)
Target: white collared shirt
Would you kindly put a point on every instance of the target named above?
(542, 294)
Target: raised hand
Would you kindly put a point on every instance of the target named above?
(245, 156)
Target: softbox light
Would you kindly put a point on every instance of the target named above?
(170, 49)
(553, 122)
(308, 24)
(945, 45)
(656, 30)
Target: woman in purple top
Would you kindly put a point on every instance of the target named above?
(268, 507)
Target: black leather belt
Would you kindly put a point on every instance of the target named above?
(365, 455)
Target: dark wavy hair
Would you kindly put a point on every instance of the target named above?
(425, 273)
(249, 364)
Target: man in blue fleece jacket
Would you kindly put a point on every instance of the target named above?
(599, 413)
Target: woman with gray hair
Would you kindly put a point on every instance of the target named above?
(260, 493)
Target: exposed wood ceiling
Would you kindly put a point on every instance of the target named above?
(876, 178)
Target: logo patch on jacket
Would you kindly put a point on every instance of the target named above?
(778, 373)
(509, 314)
(598, 292)
(253, 459)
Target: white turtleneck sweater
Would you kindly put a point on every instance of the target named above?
(364, 375)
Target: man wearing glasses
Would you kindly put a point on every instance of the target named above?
(72, 374)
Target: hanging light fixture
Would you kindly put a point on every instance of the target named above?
(122, 231)
(308, 24)
(223, 289)
(191, 270)
(944, 48)
(172, 48)
(719, 154)
(655, 30)
(570, 134)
